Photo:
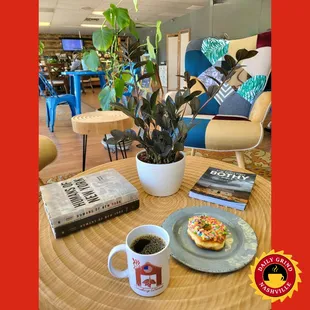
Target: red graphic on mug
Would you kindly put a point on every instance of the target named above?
(148, 276)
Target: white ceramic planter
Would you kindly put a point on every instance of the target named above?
(161, 180)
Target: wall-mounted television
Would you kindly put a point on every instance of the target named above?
(70, 45)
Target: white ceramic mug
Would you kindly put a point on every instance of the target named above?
(148, 274)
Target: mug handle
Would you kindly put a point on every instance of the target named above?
(115, 272)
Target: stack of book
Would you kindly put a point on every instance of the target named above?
(227, 188)
(84, 201)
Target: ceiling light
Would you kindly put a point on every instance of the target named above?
(97, 12)
(44, 24)
(91, 25)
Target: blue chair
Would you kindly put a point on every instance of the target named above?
(136, 71)
(53, 100)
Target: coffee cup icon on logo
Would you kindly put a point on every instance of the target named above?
(275, 276)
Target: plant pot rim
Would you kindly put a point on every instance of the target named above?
(174, 163)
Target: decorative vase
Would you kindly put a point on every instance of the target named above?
(161, 179)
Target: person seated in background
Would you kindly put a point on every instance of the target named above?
(76, 63)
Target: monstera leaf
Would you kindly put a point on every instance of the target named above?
(103, 38)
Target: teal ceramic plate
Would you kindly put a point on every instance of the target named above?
(239, 250)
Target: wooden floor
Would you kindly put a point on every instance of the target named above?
(69, 144)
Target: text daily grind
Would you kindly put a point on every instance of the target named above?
(77, 189)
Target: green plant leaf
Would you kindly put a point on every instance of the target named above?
(231, 62)
(251, 54)
(150, 69)
(158, 35)
(150, 48)
(222, 70)
(106, 96)
(179, 99)
(140, 64)
(133, 30)
(191, 83)
(109, 14)
(192, 95)
(122, 17)
(194, 104)
(41, 47)
(122, 108)
(154, 99)
(145, 76)
(178, 146)
(135, 2)
(117, 135)
(212, 90)
(91, 60)
(119, 85)
(103, 38)
(126, 75)
(245, 54)
(214, 79)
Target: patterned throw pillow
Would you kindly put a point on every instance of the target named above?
(239, 92)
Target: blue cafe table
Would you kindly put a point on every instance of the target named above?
(75, 85)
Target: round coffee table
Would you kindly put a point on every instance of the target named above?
(99, 123)
(74, 273)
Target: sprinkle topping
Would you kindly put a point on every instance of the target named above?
(208, 228)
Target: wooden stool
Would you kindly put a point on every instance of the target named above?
(99, 123)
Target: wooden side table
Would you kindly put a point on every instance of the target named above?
(99, 123)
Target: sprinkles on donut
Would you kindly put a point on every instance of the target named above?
(207, 232)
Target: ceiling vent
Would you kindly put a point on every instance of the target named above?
(46, 10)
(219, 2)
(90, 19)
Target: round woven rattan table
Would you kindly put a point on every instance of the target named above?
(73, 269)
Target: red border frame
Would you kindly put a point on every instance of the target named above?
(290, 133)
(19, 151)
(290, 171)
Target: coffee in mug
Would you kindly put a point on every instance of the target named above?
(148, 256)
(148, 244)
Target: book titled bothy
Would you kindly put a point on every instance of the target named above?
(80, 202)
(224, 187)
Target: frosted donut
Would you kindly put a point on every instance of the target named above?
(207, 232)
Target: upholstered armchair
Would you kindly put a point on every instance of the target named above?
(47, 153)
(222, 125)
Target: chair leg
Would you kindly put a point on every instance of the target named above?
(52, 117)
(72, 107)
(91, 86)
(193, 151)
(240, 159)
(47, 115)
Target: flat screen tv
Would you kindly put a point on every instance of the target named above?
(70, 45)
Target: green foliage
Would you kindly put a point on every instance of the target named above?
(107, 95)
(41, 47)
(91, 60)
(103, 38)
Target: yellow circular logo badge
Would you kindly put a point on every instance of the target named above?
(275, 276)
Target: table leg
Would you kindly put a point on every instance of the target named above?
(71, 85)
(77, 93)
(102, 81)
(106, 139)
(84, 151)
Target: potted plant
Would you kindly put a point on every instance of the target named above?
(163, 131)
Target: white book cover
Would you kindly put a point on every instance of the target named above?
(71, 200)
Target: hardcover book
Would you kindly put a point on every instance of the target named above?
(88, 196)
(224, 187)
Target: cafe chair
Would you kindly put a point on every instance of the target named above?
(217, 129)
(55, 78)
(53, 100)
